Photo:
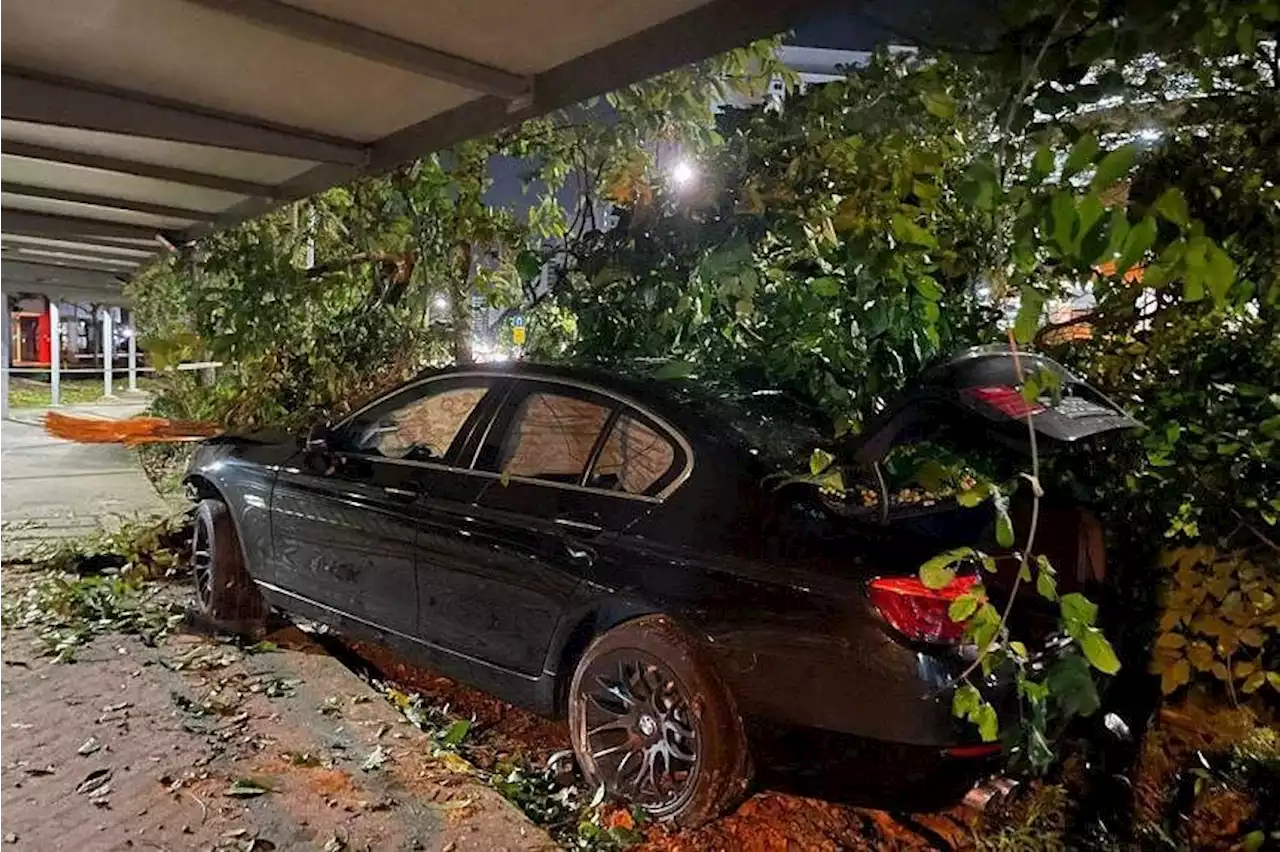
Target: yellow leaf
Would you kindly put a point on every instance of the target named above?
(1219, 586)
(1255, 680)
(454, 763)
(1261, 598)
(1171, 640)
(1175, 676)
(1244, 667)
(1209, 625)
(1252, 636)
(1200, 655)
(1219, 671)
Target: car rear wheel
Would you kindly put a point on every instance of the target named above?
(225, 594)
(651, 720)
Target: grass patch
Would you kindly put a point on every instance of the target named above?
(29, 393)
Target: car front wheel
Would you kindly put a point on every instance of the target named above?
(225, 594)
(651, 720)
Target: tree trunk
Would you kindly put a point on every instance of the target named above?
(462, 353)
(460, 298)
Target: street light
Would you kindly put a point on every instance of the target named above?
(683, 174)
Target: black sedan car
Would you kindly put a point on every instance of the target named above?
(614, 550)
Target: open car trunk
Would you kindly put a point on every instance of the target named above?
(978, 393)
(972, 407)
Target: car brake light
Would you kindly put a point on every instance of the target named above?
(1008, 401)
(918, 612)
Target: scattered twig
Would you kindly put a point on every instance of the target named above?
(1259, 533)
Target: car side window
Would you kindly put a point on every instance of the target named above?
(634, 458)
(551, 437)
(420, 429)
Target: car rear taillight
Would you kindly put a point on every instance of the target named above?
(1008, 401)
(918, 612)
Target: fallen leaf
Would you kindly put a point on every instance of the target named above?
(375, 760)
(245, 788)
(304, 759)
(94, 780)
(335, 844)
(454, 763)
(456, 732)
(90, 746)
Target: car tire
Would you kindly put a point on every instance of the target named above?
(651, 720)
(225, 594)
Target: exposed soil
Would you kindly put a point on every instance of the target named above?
(767, 822)
(504, 730)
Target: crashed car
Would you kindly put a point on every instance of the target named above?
(619, 552)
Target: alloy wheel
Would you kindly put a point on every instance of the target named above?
(641, 737)
(202, 562)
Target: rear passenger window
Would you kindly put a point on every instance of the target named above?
(634, 458)
(551, 437)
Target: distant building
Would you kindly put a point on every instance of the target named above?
(31, 339)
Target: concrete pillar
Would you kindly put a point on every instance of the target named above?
(108, 350)
(133, 358)
(55, 353)
(5, 361)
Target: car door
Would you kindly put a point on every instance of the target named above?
(346, 521)
(553, 504)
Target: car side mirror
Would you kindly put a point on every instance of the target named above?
(318, 456)
(320, 437)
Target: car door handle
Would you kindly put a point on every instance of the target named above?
(402, 495)
(577, 525)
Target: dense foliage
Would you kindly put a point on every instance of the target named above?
(319, 304)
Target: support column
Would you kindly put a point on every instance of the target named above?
(5, 361)
(55, 353)
(108, 351)
(132, 334)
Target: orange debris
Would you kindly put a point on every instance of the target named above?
(130, 432)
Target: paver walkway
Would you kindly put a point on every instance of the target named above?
(51, 488)
(136, 747)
